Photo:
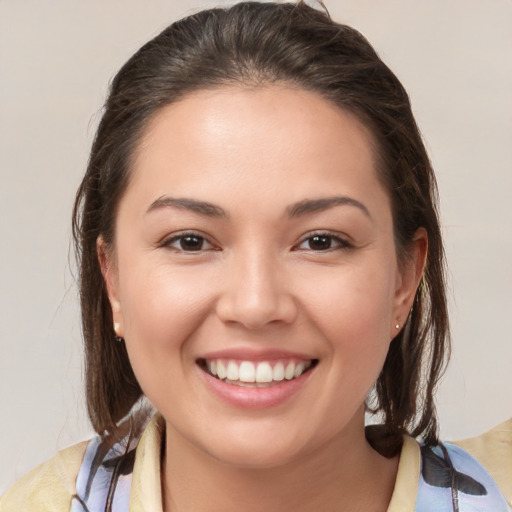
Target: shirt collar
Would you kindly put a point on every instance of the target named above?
(146, 493)
(407, 478)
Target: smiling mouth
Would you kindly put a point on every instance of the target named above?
(261, 374)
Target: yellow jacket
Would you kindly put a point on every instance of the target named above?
(53, 485)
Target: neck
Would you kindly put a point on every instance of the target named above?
(345, 474)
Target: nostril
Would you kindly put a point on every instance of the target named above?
(257, 311)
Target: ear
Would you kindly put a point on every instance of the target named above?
(110, 276)
(408, 280)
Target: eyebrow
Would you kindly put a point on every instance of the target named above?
(317, 205)
(200, 207)
(299, 209)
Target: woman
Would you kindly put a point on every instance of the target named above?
(261, 258)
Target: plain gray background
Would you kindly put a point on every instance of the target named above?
(56, 58)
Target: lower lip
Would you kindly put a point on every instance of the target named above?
(255, 398)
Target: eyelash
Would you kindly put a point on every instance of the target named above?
(183, 236)
(339, 243)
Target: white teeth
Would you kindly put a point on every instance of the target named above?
(278, 372)
(299, 369)
(247, 372)
(221, 370)
(289, 372)
(234, 372)
(264, 372)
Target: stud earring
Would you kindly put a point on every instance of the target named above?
(116, 330)
(397, 326)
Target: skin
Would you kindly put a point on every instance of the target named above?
(258, 283)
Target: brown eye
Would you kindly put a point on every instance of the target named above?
(189, 242)
(320, 242)
(323, 242)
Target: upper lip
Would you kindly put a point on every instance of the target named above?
(247, 354)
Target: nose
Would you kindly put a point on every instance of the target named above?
(255, 293)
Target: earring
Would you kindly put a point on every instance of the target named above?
(397, 326)
(116, 330)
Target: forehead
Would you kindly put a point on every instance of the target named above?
(269, 140)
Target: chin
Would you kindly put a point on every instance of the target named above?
(262, 445)
(254, 456)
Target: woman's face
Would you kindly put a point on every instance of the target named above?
(255, 242)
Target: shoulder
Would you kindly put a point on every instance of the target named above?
(93, 475)
(474, 474)
(49, 486)
(494, 451)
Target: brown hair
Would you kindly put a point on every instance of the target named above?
(257, 44)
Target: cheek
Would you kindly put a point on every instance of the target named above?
(354, 305)
(161, 309)
(352, 312)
